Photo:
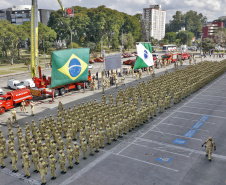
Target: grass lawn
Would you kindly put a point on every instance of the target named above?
(4, 72)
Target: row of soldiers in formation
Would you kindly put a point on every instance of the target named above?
(138, 74)
(93, 122)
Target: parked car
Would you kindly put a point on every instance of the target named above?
(90, 66)
(128, 62)
(15, 84)
(99, 59)
(91, 61)
(155, 56)
(1, 92)
(28, 83)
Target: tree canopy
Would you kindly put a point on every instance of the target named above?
(95, 24)
(191, 20)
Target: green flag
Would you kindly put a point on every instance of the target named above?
(69, 66)
(144, 56)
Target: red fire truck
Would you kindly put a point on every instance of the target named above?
(43, 86)
(9, 100)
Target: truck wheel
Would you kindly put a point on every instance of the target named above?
(78, 87)
(27, 102)
(62, 91)
(2, 110)
(56, 93)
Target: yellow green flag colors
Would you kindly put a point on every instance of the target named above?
(69, 66)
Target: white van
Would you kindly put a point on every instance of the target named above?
(1, 92)
(15, 84)
(28, 83)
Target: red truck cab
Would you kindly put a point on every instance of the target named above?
(9, 100)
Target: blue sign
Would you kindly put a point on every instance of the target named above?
(190, 133)
(164, 159)
(204, 118)
(197, 125)
(180, 141)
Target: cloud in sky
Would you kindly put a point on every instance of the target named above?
(210, 8)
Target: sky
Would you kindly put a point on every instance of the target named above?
(213, 9)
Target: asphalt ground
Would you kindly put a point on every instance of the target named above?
(149, 155)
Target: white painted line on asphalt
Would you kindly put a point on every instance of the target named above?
(161, 150)
(176, 135)
(202, 114)
(191, 120)
(204, 108)
(213, 96)
(208, 104)
(184, 127)
(85, 169)
(147, 162)
(210, 99)
(126, 146)
(20, 177)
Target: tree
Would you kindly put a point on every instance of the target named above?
(75, 45)
(220, 36)
(191, 20)
(171, 37)
(185, 37)
(208, 44)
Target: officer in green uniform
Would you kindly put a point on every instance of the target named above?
(209, 147)
(43, 170)
(14, 158)
(91, 145)
(62, 161)
(76, 151)
(70, 156)
(84, 148)
(27, 164)
(35, 159)
(52, 164)
(102, 137)
(2, 156)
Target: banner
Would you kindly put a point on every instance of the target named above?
(69, 66)
(144, 56)
(113, 62)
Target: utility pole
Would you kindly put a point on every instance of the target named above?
(71, 38)
(201, 46)
(122, 41)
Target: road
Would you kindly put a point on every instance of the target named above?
(150, 155)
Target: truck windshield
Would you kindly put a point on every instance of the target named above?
(19, 84)
(2, 98)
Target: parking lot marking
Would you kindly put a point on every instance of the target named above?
(213, 96)
(126, 146)
(184, 127)
(175, 135)
(211, 99)
(161, 150)
(191, 120)
(147, 162)
(204, 108)
(208, 104)
(20, 177)
(202, 114)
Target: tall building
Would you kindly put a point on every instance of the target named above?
(153, 22)
(209, 29)
(21, 13)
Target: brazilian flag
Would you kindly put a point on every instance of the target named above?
(69, 66)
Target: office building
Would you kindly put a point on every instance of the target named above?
(21, 13)
(153, 22)
(209, 29)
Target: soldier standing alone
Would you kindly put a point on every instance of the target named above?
(209, 147)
